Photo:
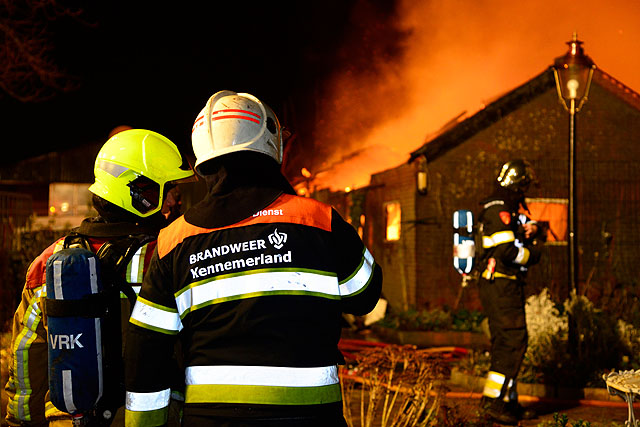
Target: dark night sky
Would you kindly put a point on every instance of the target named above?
(360, 82)
(150, 66)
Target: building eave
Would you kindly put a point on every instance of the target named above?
(486, 117)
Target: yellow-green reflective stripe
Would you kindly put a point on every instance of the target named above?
(265, 395)
(136, 290)
(360, 278)
(498, 238)
(157, 417)
(20, 401)
(153, 328)
(154, 316)
(493, 384)
(257, 283)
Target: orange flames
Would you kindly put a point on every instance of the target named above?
(457, 56)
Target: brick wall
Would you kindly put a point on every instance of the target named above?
(608, 165)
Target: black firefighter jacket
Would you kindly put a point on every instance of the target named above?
(253, 280)
(506, 254)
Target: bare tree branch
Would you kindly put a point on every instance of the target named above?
(28, 70)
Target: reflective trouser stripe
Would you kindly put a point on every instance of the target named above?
(262, 385)
(493, 386)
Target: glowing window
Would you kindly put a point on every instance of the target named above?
(361, 226)
(553, 212)
(67, 199)
(392, 216)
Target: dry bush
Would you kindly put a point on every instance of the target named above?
(393, 386)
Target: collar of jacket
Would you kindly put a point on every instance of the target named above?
(239, 185)
(510, 198)
(98, 227)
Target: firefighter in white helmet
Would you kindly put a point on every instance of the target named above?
(253, 281)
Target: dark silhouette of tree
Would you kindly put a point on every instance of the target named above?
(28, 68)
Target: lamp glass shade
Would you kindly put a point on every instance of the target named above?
(573, 71)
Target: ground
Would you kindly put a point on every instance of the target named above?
(597, 416)
(464, 406)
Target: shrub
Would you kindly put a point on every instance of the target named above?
(436, 319)
(570, 344)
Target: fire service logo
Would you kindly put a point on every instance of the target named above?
(277, 239)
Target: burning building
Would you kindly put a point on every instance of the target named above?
(405, 213)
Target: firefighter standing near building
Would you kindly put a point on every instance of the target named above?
(253, 280)
(134, 171)
(509, 246)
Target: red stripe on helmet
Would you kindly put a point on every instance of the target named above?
(251, 119)
(236, 111)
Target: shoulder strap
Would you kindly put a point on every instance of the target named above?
(76, 240)
(114, 257)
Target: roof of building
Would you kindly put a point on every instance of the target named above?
(452, 134)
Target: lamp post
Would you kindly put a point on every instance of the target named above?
(573, 72)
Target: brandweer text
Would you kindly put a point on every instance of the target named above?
(251, 245)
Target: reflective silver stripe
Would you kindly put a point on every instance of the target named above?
(112, 168)
(498, 238)
(57, 279)
(148, 401)
(275, 376)
(155, 316)
(522, 257)
(99, 356)
(135, 266)
(93, 276)
(254, 284)
(67, 390)
(361, 278)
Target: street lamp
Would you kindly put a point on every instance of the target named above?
(573, 72)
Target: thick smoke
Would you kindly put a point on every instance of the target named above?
(406, 70)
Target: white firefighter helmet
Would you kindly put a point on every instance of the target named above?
(232, 122)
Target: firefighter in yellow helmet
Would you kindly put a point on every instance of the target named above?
(511, 242)
(253, 281)
(134, 171)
